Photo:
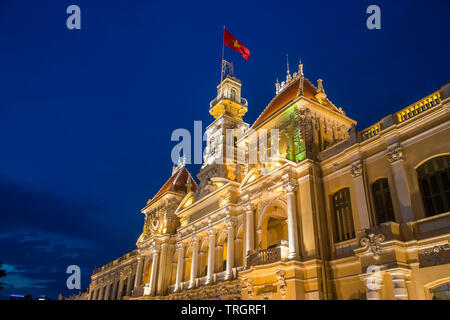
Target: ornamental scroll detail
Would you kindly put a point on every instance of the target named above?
(434, 256)
(372, 243)
(395, 153)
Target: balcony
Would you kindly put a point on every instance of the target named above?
(266, 256)
(224, 96)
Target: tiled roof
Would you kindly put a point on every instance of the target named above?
(288, 94)
(177, 182)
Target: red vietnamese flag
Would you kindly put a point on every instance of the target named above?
(230, 41)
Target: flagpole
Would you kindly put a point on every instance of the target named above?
(221, 62)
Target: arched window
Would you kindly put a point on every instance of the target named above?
(434, 182)
(343, 219)
(441, 292)
(233, 94)
(382, 199)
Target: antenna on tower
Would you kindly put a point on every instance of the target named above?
(227, 66)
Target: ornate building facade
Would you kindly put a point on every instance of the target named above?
(334, 213)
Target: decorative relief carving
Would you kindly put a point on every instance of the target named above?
(290, 186)
(434, 256)
(372, 243)
(248, 283)
(356, 170)
(180, 245)
(161, 219)
(281, 281)
(395, 153)
(212, 232)
(230, 223)
(269, 199)
(249, 206)
(214, 292)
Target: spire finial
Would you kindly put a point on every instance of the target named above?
(320, 85)
(288, 75)
(321, 95)
(287, 63)
(300, 75)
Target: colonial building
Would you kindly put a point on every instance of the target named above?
(334, 213)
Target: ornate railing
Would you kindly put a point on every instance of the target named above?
(419, 107)
(224, 96)
(220, 276)
(265, 256)
(404, 114)
(371, 132)
(202, 281)
(116, 262)
(270, 255)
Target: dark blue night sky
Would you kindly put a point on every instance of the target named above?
(86, 116)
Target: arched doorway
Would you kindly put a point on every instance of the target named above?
(147, 272)
(203, 258)
(188, 264)
(272, 226)
(174, 267)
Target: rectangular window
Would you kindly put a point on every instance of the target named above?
(384, 210)
(343, 218)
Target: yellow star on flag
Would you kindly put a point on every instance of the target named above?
(236, 44)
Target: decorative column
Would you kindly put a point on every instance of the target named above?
(100, 294)
(194, 264)
(250, 227)
(154, 270)
(137, 281)
(230, 249)
(97, 289)
(161, 283)
(211, 251)
(114, 292)
(108, 288)
(308, 229)
(129, 284)
(400, 290)
(360, 190)
(290, 187)
(395, 157)
(94, 293)
(119, 292)
(180, 265)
